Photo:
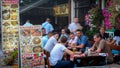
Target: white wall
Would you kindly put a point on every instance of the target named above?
(72, 10)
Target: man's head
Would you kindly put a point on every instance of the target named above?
(63, 39)
(78, 32)
(28, 20)
(63, 31)
(50, 34)
(56, 35)
(76, 20)
(97, 37)
(43, 31)
(48, 20)
(72, 36)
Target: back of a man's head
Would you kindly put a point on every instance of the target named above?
(50, 34)
(63, 39)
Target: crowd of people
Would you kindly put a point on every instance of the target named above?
(73, 38)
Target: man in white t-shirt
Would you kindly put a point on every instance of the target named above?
(51, 42)
(74, 25)
(56, 55)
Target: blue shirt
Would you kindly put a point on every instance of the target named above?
(83, 40)
(48, 27)
(27, 24)
(44, 40)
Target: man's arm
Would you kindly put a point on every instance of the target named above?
(80, 46)
(101, 46)
(68, 51)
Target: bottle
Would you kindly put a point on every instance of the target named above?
(89, 52)
(86, 51)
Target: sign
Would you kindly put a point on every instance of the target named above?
(30, 44)
(10, 24)
(61, 10)
(10, 29)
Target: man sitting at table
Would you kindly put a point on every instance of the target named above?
(82, 41)
(72, 41)
(51, 42)
(56, 55)
(100, 46)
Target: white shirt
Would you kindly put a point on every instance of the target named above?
(73, 40)
(117, 39)
(74, 26)
(56, 54)
(50, 44)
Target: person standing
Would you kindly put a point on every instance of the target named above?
(74, 25)
(27, 23)
(47, 25)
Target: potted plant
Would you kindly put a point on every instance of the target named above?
(9, 57)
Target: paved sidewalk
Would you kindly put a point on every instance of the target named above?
(107, 66)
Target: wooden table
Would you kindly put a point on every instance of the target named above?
(89, 60)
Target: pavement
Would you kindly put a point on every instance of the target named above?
(106, 66)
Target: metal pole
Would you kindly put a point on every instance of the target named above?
(19, 51)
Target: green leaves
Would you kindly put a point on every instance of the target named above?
(96, 16)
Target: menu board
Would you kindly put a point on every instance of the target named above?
(10, 24)
(31, 50)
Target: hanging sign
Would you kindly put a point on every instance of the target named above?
(61, 10)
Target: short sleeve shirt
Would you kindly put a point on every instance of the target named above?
(104, 48)
(56, 54)
(83, 40)
(73, 26)
(50, 44)
(73, 40)
(48, 27)
(44, 40)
